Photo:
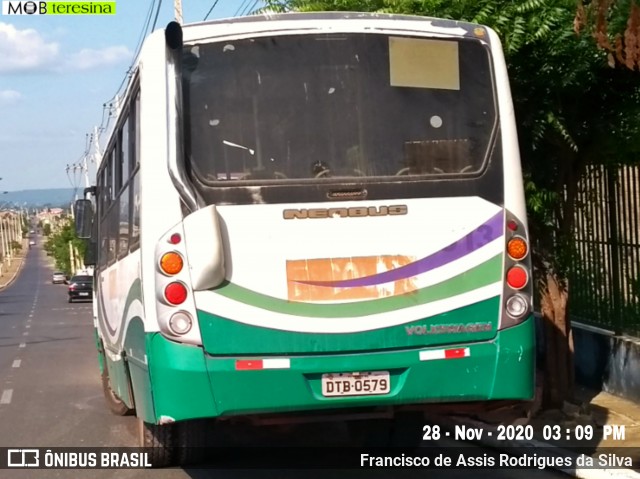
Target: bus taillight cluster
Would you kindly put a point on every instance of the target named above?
(517, 272)
(175, 293)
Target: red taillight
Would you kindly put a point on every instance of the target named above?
(512, 225)
(517, 277)
(175, 238)
(175, 293)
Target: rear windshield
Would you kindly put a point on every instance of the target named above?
(354, 105)
(82, 278)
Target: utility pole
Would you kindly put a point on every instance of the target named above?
(177, 7)
(72, 261)
(97, 155)
(86, 172)
(5, 241)
(16, 222)
(4, 247)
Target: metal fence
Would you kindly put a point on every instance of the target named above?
(604, 279)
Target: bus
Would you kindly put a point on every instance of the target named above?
(307, 214)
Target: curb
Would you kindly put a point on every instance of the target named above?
(15, 274)
(449, 423)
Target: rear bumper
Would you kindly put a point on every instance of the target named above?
(78, 295)
(189, 384)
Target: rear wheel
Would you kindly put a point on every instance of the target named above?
(116, 405)
(159, 442)
(195, 440)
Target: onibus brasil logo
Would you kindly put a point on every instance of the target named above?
(29, 7)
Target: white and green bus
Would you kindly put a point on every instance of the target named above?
(304, 213)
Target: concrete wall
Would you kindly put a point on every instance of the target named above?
(604, 361)
(608, 362)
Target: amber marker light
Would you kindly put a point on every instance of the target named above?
(171, 263)
(517, 248)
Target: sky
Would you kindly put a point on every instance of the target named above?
(57, 72)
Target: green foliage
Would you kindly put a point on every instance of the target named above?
(46, 229)
(572, 109)
(57, 245)
(16, 245)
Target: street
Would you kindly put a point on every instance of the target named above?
(50, 393)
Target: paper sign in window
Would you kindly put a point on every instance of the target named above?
(421, 63)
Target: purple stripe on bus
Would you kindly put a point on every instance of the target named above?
(476, 239)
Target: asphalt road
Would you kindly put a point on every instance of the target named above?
(50, 394)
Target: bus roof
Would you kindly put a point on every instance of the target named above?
(270, 22)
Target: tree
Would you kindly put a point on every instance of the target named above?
(57, 245)
(615, 25)
(572, 110)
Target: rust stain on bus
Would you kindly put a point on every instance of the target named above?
(340, 269)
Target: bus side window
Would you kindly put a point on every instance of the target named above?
(134, 241)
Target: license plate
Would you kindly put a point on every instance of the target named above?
(84, 294)
(356, 384)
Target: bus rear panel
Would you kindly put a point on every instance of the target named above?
(360, 240)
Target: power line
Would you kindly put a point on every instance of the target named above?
(156, 18)
(242, 5)
(108, 107)
(141, 38)
(250, 9)
(210, 10)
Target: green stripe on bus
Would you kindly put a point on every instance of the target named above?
(225, 337)
(484, 274)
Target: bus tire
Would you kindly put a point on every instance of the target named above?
(115, 404)
(158, 442)
(195, 440)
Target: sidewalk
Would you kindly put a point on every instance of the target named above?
(593, 411)
(9, 272)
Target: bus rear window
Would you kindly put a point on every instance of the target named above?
(341, 105)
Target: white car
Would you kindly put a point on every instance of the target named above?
(58, 278)
(32, 243)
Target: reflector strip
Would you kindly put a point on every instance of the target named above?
(276, 363)
(257, 364)
(248, 365)
(444, 354)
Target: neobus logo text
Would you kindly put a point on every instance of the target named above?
(20, 7)
(353, 212)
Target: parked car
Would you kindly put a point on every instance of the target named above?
(32, 243)
(58, 278)
(81, 287)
